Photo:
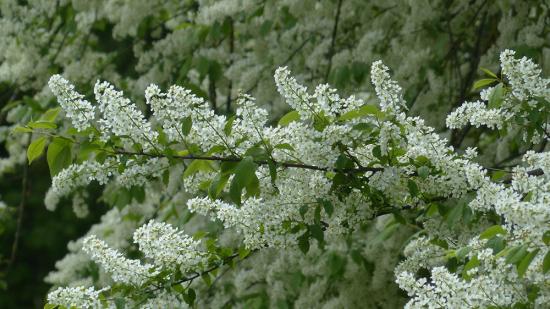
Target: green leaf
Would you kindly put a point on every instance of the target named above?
(327, 205)
(190, 296)
(138, 193)
(455, 214)
(288, 118)
(516, 254)
(206, 278)
(423, 172)
(217, 185)
(317, 215)
(317, 232)
(433, 209)
(228, 127)
(272, 172)
(243, 252)
(186, 125)
(492, 231)
(364, 110)
(245, 172)
(496, 97)
(20, 129)
(58, 155)
(483, 82)
(472, 263)
(413, 187)
(377, 152)
(546, 238)
(285, 146)
(303, 242)
(488, 72)
(196, 166)
(546, 263)
(50, 306)
(525, 262)
(41, 125)
(36, 148)
(50, 115)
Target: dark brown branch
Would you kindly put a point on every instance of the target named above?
(231, 49)
(330, 53)
(21, 211)
(259, 162)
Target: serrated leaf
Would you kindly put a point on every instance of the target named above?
(413, 187)
(492, 231)
(20, 129)
(327, 206)
(50, 115)
(488, 72)
(423, 172)
(245, 172)
(377, 152)
(483, 82)
(317, 214)
(284, 146)
(472, 263)
(217, 185)
(317, 232)
(228, 127)
(288, 118)
(516, 254)
(364, 110)
(186, 125)
(546, 263)
(41, 125)
(36, 148)
(272, 173)
(496, 97)
(525, 262)
(196, 166)
(206, 278)
(243, 252)
(454, 215)
(303, 242)
(58, 155)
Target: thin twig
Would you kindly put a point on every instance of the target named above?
(20, 210)
(330, 53)
(259, 162)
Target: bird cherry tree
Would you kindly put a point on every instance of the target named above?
(324, 172)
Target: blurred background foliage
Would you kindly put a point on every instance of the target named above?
(217, 49)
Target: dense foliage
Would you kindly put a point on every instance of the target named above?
(259, 154)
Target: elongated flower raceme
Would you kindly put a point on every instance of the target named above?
(121, 269)
(167, 247)
(78, 110)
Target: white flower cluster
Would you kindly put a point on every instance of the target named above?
(80, 175)
(80, 111)
(387, 90)
(137, 174)
(526, 85)
(121, 269)
(168, 247)
(524, 77)
(122, 118)
(478, 115)
(76, 297)
(171, 108)
(295, 95)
